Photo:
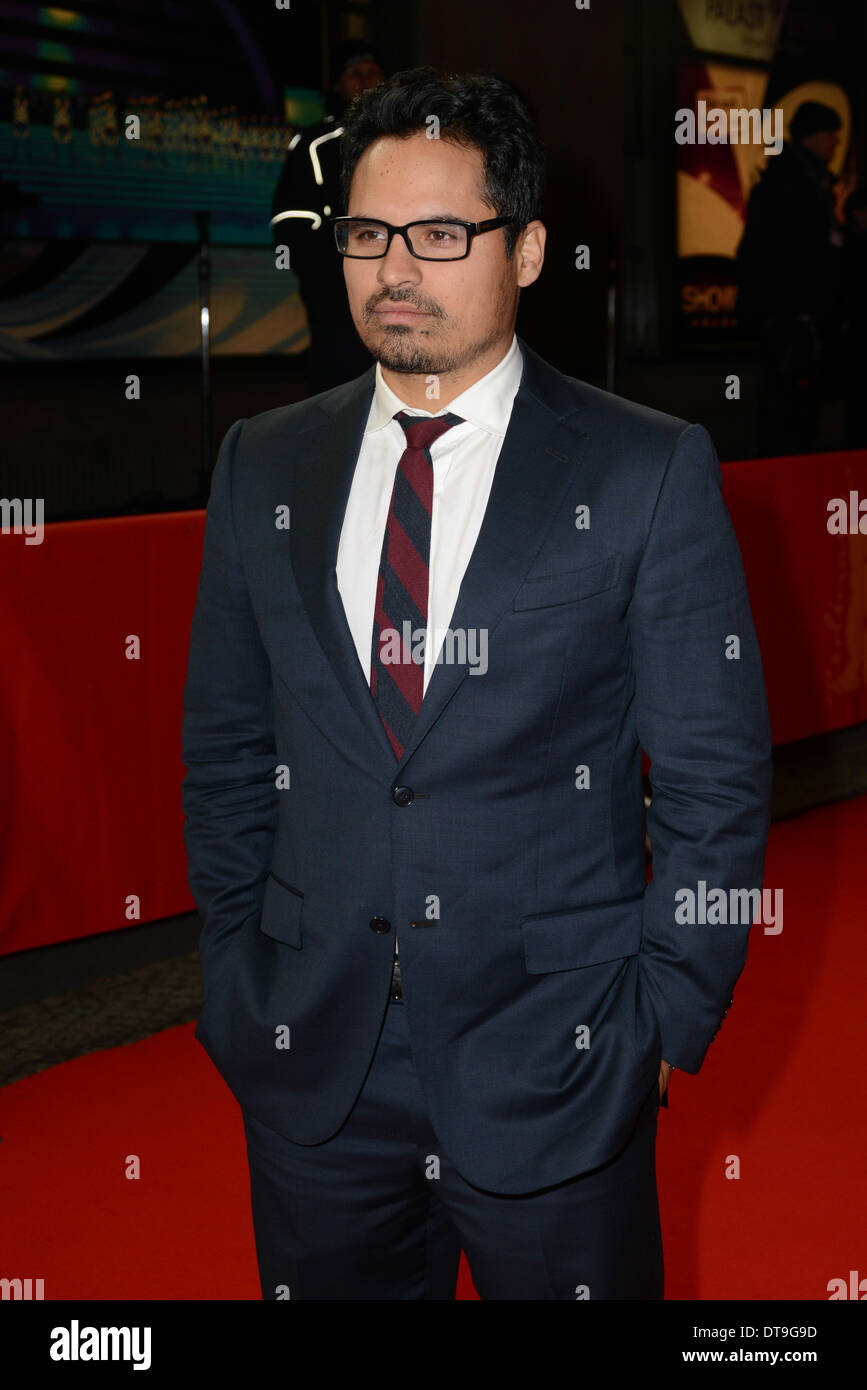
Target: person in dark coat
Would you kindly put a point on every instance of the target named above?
(305, 199)
(855, 343)
(789, 277)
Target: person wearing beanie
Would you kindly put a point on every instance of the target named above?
(306, 197)
(788, 266)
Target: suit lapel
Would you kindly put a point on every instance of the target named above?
(537, 463)
(320, 496)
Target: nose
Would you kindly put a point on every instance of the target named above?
(397, 266)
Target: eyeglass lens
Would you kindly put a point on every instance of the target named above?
(434, 240)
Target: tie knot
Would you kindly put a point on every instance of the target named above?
(422, 431)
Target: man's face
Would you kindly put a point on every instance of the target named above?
(823, 144)
(430, 317)
(358, 78)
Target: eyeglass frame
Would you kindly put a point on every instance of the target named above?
(473, 229)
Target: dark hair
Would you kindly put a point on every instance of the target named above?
(472, 109)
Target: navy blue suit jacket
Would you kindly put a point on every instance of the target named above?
(543, 980)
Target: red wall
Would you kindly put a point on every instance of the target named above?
(90, 741)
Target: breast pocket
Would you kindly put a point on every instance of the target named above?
(282, 908)
(582, 936)
(569, 586)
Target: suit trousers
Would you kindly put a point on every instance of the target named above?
(378, 1211)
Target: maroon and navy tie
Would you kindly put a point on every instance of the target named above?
(397, 685)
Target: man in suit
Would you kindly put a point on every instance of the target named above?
(442, 608)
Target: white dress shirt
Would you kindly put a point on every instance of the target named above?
(464, 460)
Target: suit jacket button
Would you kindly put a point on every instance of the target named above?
(402, 796)
(379, 925)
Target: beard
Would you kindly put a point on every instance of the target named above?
(412, 351)
(404, 349)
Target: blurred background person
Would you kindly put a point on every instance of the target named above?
(789, 267)
(305, 199)
(855, 341)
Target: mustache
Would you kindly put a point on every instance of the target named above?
(396, 300)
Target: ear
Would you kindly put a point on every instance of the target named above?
(530, 252)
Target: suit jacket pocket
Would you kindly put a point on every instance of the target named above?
(282, 907)
(582, 936)
(570, 585)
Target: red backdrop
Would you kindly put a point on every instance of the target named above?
(91, 740)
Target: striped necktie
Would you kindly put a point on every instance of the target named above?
(400, 613)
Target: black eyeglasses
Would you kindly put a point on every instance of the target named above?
(367, 238)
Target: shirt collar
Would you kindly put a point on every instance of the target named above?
(487, 403)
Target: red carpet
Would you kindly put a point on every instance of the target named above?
(782, 1089)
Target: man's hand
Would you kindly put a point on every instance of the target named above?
(664, 1074)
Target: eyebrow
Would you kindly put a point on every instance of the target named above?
(431, 217)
